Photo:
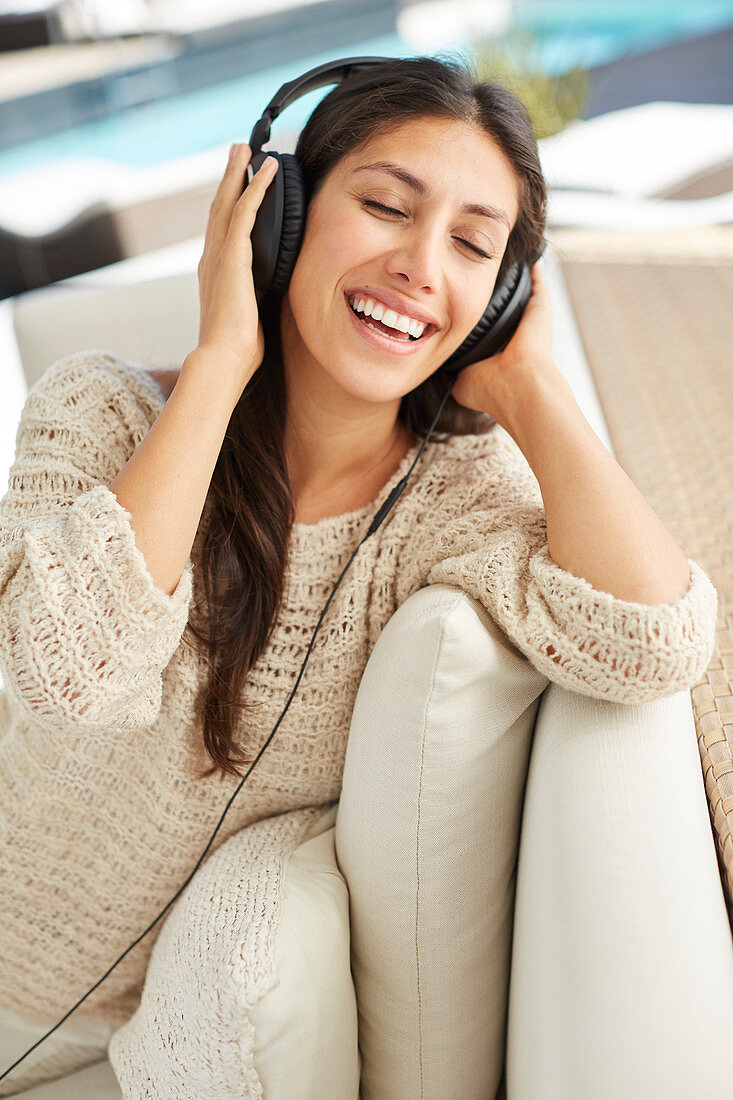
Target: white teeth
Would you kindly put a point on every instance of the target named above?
(379, 312)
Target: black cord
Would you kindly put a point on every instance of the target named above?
(376, 522)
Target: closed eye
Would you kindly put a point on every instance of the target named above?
(391, 210)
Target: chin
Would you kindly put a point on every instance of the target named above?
(371, 382)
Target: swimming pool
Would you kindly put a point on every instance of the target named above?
(596, 31)
(567, 33)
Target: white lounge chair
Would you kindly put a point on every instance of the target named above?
(615, 171)
(639, 152)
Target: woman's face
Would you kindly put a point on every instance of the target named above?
(416, 222)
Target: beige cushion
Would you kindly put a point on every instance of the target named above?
(622, 960)
(49, 1070)
(306, 1027)
(427, 836)
(154, 322)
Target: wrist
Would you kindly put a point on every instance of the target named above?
(219, 375)
(530, 398)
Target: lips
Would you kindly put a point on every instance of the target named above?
(394, 301)
(391, 344)
(380, 326)
(349, 297)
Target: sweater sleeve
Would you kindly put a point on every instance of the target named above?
(489, 538)
(85, 633)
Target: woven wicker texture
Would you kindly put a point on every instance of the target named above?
(658, 335)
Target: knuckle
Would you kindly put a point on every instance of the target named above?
(241, 212)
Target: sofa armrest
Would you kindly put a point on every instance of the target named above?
(622, 959)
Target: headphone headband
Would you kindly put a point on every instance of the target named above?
(331, 73)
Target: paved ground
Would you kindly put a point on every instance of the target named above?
(25, 72)
(694, 70)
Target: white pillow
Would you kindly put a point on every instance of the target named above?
(248, 992)
(427, 838)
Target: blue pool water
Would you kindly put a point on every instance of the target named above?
(567, 33)
(593, 32)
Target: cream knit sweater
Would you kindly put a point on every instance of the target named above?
(101, 814)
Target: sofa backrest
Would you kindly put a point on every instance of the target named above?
(154, 322)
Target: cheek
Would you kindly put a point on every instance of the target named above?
(337, 241)
(332, 251)
(470, 308)
(325, 246)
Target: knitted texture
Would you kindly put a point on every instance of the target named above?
(214, 959)
(103, 815)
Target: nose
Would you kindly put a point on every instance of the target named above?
(416, 262)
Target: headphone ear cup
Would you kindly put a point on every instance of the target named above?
(498, 322)
(293, 220)
(278, 227)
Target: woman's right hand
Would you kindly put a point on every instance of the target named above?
(230, 332)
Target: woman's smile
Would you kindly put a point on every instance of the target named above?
(384, 328)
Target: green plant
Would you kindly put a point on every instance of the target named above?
(514, 60)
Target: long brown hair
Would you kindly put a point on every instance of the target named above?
(241, 559)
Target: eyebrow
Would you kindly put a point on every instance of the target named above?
(422, 189)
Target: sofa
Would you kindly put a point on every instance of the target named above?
(517, 894)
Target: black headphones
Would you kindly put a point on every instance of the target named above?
(276, 237)
(278, 228)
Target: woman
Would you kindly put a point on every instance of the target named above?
(228, 497)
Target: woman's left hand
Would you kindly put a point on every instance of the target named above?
(494, 385)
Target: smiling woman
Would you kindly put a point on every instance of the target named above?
(423, 189)
(384, 250)
(165, 550)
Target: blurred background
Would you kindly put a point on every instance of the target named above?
(116, 115)
(116, 118)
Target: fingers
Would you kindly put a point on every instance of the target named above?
(220, 211)
(540, 289)
(231, 189)
(248, 203)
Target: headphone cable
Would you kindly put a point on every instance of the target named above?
(376, 522)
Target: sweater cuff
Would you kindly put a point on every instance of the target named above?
(112, 584)
(120, 541)
(671, 643)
